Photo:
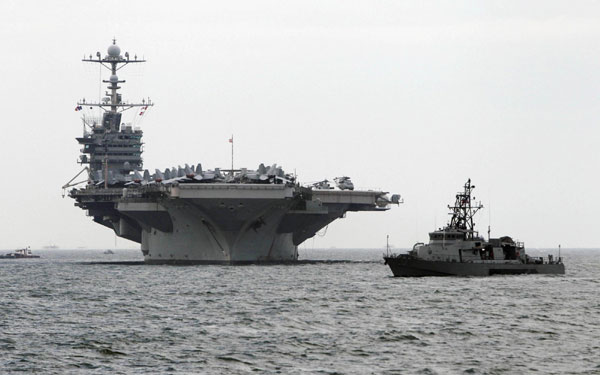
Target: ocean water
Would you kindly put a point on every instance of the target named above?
(62, 314)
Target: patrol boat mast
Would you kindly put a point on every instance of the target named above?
(463, 212)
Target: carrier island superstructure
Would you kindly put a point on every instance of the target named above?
(192, 215)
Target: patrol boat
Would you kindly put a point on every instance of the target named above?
(191, 214)
(458, 250)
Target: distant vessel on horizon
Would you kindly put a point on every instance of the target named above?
(19, 253)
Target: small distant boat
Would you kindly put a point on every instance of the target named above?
(108, 251)
(19, 253)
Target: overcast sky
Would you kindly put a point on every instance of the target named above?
(413, 97)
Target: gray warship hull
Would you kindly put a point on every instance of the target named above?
(407, 266)
(221, 223)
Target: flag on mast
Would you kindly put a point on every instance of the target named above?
(231, 139)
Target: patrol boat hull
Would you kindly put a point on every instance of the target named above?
(407, 266)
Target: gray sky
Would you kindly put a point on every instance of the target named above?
(413, 97)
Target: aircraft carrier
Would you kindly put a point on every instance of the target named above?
(188, 214)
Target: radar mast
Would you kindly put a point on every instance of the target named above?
(114, 62)
(463, 211)
(112, 149)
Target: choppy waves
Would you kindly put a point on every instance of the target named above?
(62, 314)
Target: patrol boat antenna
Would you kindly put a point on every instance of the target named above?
(463, 211)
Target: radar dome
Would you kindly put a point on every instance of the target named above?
(114, 50)
(114, 78)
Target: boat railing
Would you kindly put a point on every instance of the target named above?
(492, 261)
(544, 260)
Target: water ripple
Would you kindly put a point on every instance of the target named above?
(63, 314)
